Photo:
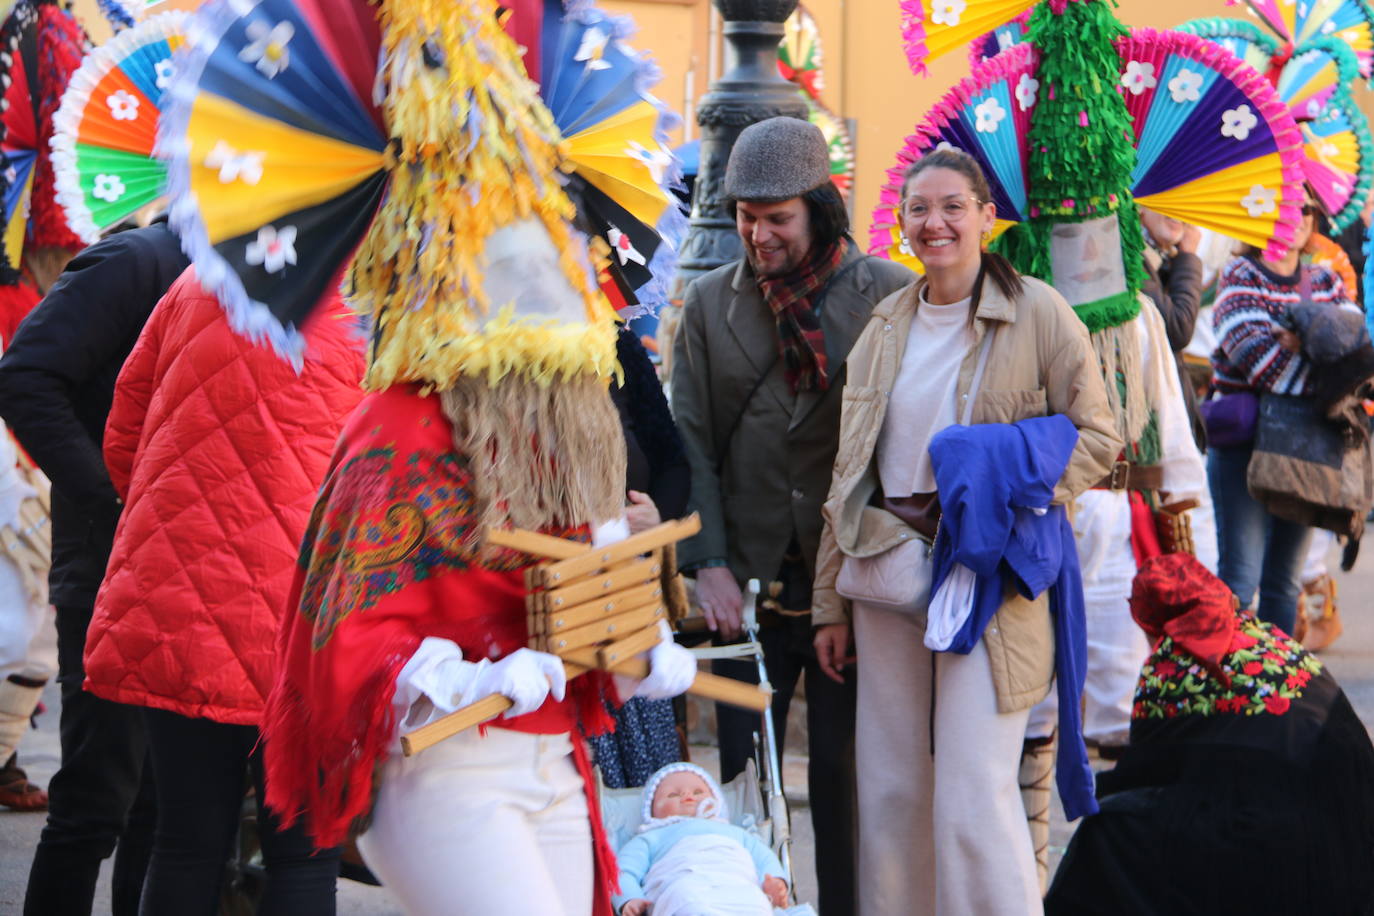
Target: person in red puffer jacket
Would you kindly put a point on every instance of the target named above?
(217, 446)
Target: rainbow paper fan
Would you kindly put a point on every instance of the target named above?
(596, 87)
(1338, 159)
(275, 154)
(1306, 80)
(931, 28)
(105, 130)
(800, 61)
(1215, 147)
(1300, 24)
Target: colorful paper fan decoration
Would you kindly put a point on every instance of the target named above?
(1299, 24)
(931, 28)
(1338, 160)
(1214, 146)
(998, 40)
(105, 130)
(800, 61)
(275, 155)
(596, 87)
(42, 45)
(1313, 80)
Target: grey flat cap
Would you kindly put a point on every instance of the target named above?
(777, 159)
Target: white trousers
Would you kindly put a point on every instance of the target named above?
(941, 830)
(28, 630)
(484, 825)
(1117, 647)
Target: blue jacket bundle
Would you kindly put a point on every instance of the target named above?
(990, 478)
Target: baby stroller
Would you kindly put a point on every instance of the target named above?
(755, 797)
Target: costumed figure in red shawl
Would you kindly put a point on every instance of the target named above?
(490, 354)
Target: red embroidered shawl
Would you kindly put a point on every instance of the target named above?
(389, 557)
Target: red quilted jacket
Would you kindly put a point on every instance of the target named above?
(218, 448)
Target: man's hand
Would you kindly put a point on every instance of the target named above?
(776, 890)
(1190, 238)
(642, 514)
(832, 649)
(720, 599)
(637, 907)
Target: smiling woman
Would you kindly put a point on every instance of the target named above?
(972, 343)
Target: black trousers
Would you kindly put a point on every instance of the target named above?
(100, 798)
(201, 770)
(830, 711)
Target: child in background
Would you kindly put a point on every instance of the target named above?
(689, 860)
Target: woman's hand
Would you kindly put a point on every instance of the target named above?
(1288, 340)
(642, 514)
(776, 890)
(637, 907)
(832, 649)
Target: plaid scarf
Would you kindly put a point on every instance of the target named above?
(800, 339)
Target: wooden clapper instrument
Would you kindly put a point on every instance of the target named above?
(593, 608)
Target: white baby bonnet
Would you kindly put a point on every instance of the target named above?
(713, 808)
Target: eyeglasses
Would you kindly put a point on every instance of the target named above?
(952, 209)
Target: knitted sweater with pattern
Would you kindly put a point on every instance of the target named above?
(1251, 304)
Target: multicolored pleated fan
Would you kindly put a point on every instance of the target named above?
(1338, 160)
(596, 87)
(987, 115)
(275, 154)
(998, 40)
(1301, 23)
(42, 46)
(931, 28)
(1215, 146)
(105, 130)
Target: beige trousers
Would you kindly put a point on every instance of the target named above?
(488, 825)
(942, 831)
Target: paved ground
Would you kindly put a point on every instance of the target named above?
(1352, 661)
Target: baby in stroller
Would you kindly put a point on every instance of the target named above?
(689, 860)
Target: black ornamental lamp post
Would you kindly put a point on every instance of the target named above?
(750, 90)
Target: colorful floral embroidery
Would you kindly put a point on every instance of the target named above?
(1268, 670)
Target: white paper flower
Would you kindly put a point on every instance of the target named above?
(1027, 88)
(1259, 201)
(1238, 122)
(273, 249)
(1328, 27)
(234, 165)
(624, 248)
(1005, 39)
(164, 70)
(990, 114)
(947, 12)
(108, 188)
(123, 105)
(1329, 150)
(1139, 77)
(944, 144)
(593, 48)
(269, 50)
(1186, 86)
(657, 160)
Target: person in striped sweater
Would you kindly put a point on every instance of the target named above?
(1257, 353)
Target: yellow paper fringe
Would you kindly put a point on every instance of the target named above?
(474, 149)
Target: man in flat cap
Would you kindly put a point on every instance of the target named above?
(758, 366)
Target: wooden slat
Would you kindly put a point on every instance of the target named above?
(638, 572)
(710, 686)
(607, 628)
(613, 653)
(538, 575)
(577, 616)
(655, 537)
(534, 543)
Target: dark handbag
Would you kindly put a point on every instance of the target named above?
(1309, 469)
(1230, 418)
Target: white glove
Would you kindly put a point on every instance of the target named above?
(525, 676)
(671, 669)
